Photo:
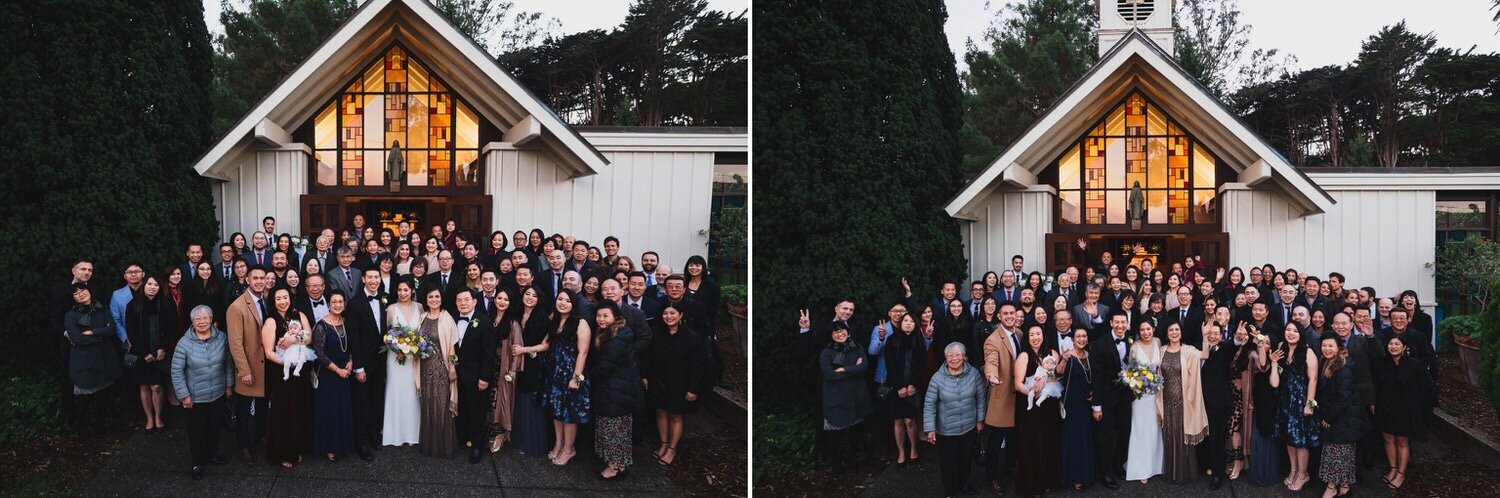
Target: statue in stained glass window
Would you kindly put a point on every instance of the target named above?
(395, 167)
(1136, 214)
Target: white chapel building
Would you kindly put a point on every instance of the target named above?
(476, 146)
(1211, 185)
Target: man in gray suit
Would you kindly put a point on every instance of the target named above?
(342, 277)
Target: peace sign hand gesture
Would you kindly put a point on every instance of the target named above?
(906, 286)
(803, 321)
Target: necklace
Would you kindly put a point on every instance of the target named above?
(338, 330)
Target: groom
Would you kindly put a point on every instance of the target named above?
(476, 367)
(1111, 402)
(366, 320)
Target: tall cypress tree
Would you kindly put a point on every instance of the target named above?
(857, 117)
(105, 106)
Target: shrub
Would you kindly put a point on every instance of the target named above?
(1470, 326)
(28, 404)
(735, 295)
(1489, 345)
(788, 435)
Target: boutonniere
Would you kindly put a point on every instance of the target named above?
(385, 300)
(453, 358)
(1129, 341)
(510, 377)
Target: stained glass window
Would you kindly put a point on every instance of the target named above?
(1136, 143)
(397, 99)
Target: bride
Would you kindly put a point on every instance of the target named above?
(1146, 451)
(403, 415)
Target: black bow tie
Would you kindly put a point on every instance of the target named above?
(318, 303)
(1120, 340)
(463, 319)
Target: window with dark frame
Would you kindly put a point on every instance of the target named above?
(1137, 143)
(396, 99)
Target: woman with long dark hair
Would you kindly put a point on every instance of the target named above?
(986, 323)
(290, 423)
(675, 374)
(1180, 407)
(1295, 377)
(617, 389)
(1037, 423)
(703, 288)
(906, 361)
(1339, 415)
(534, 244)
(529, 418)
(1403, 395)
(507, 365)
(150, 319)
(204, 289)
(237, 240)
(496, 250)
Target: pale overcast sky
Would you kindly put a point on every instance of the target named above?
(575, 15)
(1318, 32)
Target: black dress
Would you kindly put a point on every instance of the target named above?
(1078, 425)
(289, 425)
(529, 424)
(905, 361)
(1038, 453)
(674, 367)
(147, 324)
(1403, 394)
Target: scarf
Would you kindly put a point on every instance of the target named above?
(447, 337)
(1194, 414)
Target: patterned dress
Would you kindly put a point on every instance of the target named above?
(1295, 429)
(568, 406)
(438, 438)
(1180, 462)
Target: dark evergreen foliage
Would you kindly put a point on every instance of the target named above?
(857, 151)
(105, 107)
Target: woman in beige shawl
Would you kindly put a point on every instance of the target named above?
(507, 368)
(437, 380)
(1179, 407)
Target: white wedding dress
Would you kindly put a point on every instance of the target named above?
(403, 412)
(1146, 451)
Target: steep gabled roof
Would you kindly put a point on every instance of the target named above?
(1138, 63)
(469, 71)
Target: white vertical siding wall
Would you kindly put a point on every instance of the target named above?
(651, 201)
(1380, 239)
(1009, 223)
(268, 183)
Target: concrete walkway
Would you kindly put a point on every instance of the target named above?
(157, 465)
(921, 479)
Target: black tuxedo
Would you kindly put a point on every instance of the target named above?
(1112, 440)
(366, 333)
(304, 304)
(1218, 400)
(1192, 325)
(476, 361)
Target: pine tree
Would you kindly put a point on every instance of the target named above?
(856, 151)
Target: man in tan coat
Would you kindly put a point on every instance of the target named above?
(243, 319)
(1000, 350)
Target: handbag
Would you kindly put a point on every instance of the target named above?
(129, 360)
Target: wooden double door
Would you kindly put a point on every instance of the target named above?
(470, 212)
(1162, 249)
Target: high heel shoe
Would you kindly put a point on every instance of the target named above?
(1392, 483)
(1234, 472)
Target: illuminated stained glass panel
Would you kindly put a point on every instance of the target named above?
(1136, 143)
(396, 99)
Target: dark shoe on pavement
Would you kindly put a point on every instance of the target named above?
(246, 457)
(1215, 482)
(997, 488)
(1110, 482)
(969, 490)
(218, 460)
(197, 473)
(475, 455)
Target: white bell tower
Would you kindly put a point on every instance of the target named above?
(1152, 17)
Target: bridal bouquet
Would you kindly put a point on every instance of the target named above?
(1141, 379)
(405, 340)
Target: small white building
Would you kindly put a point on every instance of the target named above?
(477, 148)
(1212, 187)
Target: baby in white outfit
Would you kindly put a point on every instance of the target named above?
(295, 355)
(1051, 387)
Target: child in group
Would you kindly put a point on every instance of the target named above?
(1051, 387)
(297, 354)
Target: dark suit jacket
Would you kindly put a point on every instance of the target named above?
(262, 259)
(476, 353)
(1363, 353)
(1320, 303)
(1105, 360)
(366, 331)
(1013, 295)
(550, 283)
(696, 316)
(589, 268)
(1215, 375)
(1192, 327)
(455, 284)
(637, 321)
(303, 304)
(649, 306)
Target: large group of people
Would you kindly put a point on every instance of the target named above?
(1114, 371)
(371, 337)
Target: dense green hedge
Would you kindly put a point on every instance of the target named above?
(856, 153)
(104, 107)
(1489, 344)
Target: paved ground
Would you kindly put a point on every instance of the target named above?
(156, 465)
(1435, 458)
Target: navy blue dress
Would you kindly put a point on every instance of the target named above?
(333, 430)
(568, 406)
(1077, 427)
(1292, 427)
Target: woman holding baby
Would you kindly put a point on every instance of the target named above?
(289, 426)
(1038, 420)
